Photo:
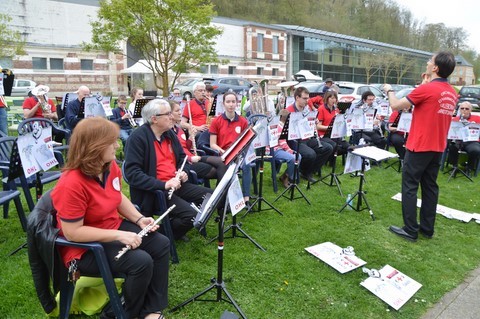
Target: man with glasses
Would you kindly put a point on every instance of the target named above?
(472, 148)
(434, 102)
(153, 154)
(73, 107)
(194, 116)
(123, 117)
(314, 152)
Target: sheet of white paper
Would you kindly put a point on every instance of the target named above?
(447, 212)
(333, 256)
(235, 196)
(373, 153)
(393, 287)
(404, 122)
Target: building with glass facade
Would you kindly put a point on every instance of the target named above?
(346, 58)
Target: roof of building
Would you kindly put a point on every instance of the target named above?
(240, 22)
(461, 61)
(305, 31)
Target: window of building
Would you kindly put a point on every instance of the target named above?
(56, 64)
(6, 63)
(259, 71)
(275, 45)
(231, 70)
(86, 64)
(275, 71)
(346, 56)
(39, 63)
(204, 69)
(259, 42)
(214, 69)
(330, 55)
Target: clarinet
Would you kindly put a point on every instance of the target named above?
(170, 192)
(192, 137)
(144, 232)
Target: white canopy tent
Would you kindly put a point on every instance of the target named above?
(309, 76)
(141, 67)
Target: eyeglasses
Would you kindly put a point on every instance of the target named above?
(166, 114)
(465, 108)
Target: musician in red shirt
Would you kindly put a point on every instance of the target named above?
(32, 106)
(314, 152)
(473, 147)
(434, 105)
(396, 138)
(195, 112)
(91, 207)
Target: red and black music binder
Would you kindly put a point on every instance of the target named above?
(240, 144)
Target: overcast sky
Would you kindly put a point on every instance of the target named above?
(457, 13)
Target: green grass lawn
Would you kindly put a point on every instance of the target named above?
(286, 281)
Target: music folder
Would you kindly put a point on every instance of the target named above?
(240, 144)
(343, 106)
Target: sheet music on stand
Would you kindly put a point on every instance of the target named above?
(67, 98)
(373, 153)
(139, 104)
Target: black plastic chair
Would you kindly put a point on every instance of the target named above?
(166, 225)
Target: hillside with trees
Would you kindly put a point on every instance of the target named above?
(380, 20)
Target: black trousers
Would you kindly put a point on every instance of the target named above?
(313, 156)
(183, 215)
(146, 269)
(420, 168)
(398, 141)
(472, 149)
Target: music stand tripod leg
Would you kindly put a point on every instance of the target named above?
(217, 283)
(258, 201)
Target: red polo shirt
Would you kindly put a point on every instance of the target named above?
(325, 116)
(166, 161)
(30, 103)
(434, 105)
(227, 131)
(186, 143)
(198, 111)
(78, 196)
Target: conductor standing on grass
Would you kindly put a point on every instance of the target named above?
(434, 102)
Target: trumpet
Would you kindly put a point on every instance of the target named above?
(170, 192)
(130, 119)
(144, 232)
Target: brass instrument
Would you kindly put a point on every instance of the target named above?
(170, 192)
(259, 98)
(41, 93)
(130, 119)
(144, 232)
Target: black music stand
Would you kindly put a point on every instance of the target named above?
(361, 193)
(332, 175)
(291, 188)
(259, 199)
(139, 104)
(217, 283)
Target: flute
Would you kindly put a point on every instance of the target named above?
(170, 192)
(144, 232)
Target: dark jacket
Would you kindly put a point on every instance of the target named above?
(140, 166)
(45, 262)
(71, 114)
(117, 118)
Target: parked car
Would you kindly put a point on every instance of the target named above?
(22, 87)
(470, 94)
(236, 84)
(312, 87)
(186, 87)
(403, 92)
(349, 90)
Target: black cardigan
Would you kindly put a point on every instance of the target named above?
(140, 167)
